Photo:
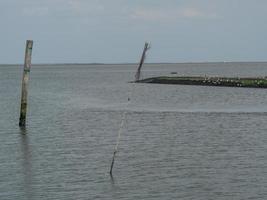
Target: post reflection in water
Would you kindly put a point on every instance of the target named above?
(26, 163)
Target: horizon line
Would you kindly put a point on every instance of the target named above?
(131, 63)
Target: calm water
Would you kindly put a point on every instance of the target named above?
(179, 142)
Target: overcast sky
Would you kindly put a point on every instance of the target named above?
(114, 31)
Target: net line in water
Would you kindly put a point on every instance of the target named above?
(123, 119)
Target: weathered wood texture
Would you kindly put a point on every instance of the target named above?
(137, 75)
(25, 80)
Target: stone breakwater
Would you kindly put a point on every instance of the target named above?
(249, 82)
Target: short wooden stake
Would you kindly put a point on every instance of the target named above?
(25, 79)
(143, 57)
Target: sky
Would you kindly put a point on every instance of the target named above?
(114, 31)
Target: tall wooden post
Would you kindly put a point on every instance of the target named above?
(25, 79)
(137, 75)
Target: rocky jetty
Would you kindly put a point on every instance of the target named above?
(209, 81)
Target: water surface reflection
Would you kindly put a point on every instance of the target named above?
(26, 163)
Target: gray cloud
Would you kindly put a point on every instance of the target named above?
(114, 30)
(172, 14)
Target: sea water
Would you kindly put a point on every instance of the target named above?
(178, 142)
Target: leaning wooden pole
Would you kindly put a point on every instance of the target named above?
(25, 79)
(143, 57)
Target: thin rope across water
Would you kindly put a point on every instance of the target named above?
(121, 128)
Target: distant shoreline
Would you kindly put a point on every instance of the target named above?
(152, 63)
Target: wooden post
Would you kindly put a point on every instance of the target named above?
(25, 79)
(143, 57)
